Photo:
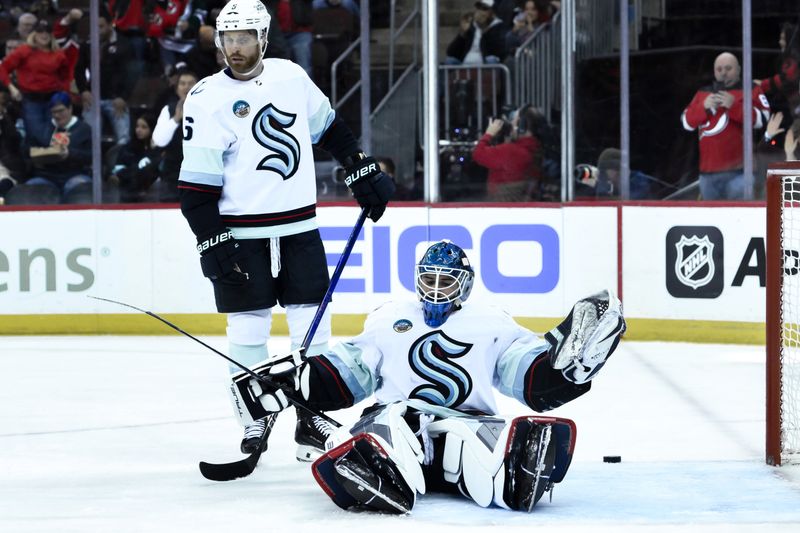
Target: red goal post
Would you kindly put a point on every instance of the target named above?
(783, 313)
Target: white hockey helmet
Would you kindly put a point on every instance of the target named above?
(243, 15)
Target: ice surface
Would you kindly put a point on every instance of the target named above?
(104, 434)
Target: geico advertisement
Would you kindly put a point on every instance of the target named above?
(703, 263)
(529, 261)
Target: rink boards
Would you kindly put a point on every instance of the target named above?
(689, 271)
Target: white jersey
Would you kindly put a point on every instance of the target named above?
(251, 140)
(399, 357)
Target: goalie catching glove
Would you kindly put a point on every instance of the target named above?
(371, 187)
(584, 341)
(221, 258)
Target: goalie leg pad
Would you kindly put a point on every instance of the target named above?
(538, 454)
(376, 465)
(360, 474)
(511, 464)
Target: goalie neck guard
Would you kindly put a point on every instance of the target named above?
(443, 281)
(243, 15)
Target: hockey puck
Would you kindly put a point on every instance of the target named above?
(612, 459)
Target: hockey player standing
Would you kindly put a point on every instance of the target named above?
(432, 365)
(248, 191)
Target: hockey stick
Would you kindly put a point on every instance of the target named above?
(244, 467)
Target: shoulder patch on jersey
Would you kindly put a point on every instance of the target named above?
(402, 325)
(241, 108)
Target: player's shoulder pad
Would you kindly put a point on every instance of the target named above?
(278, 68)
(208, 93)
(391, 311)
(487, 313)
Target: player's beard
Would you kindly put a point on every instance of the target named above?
(248, 64)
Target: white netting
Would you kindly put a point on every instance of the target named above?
(790, 311)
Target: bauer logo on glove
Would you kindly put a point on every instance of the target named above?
(360, 173)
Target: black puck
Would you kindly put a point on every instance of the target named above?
(612, 459)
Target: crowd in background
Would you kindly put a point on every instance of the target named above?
(153, 51)
(151, 54)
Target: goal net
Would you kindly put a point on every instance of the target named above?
(783, 313)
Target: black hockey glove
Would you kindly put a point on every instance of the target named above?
(220, 257)
(371, 188)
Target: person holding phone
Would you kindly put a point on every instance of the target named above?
(717, 114)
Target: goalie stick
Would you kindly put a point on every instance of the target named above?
(244, 467)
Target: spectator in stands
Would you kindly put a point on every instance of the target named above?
(130, 19)
(68, 171)
(791, 140)
(25, 24)
(525, 23)
(785, 82)
(41, 69)
(163, 28)
(115, 86)
(136, 165)
(168, 135)
(603, 181)
(514, 166)
(716, 112)
(295, 20)
(350, 5)
(481, 39)
(12, 165)
(202, 59)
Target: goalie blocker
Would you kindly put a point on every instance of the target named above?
(382, 466)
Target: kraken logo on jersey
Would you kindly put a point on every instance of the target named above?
(430, 358)
(270, 130)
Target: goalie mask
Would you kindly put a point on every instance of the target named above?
(443, 280)
(243, 16)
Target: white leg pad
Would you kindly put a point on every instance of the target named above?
(478, 477)
(469, 459)
(452, 458)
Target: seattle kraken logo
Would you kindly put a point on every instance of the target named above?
(430, 358)
(270, 131)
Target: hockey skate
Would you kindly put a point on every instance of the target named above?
(252, 435)
(310, 434)
(582, 343)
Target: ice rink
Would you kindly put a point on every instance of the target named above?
(104, 433)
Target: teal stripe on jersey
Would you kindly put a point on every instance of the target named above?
(201, 178)
(346, 357)
(512, 366)
(202, 160)
(320, 120)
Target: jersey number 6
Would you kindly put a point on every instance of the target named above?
(187, 129)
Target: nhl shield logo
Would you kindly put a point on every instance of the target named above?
(694, 264)
(241, 108)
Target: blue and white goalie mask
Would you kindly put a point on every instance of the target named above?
(444, 280)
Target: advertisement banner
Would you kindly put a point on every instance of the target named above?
(694, 263)
(532, 262)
